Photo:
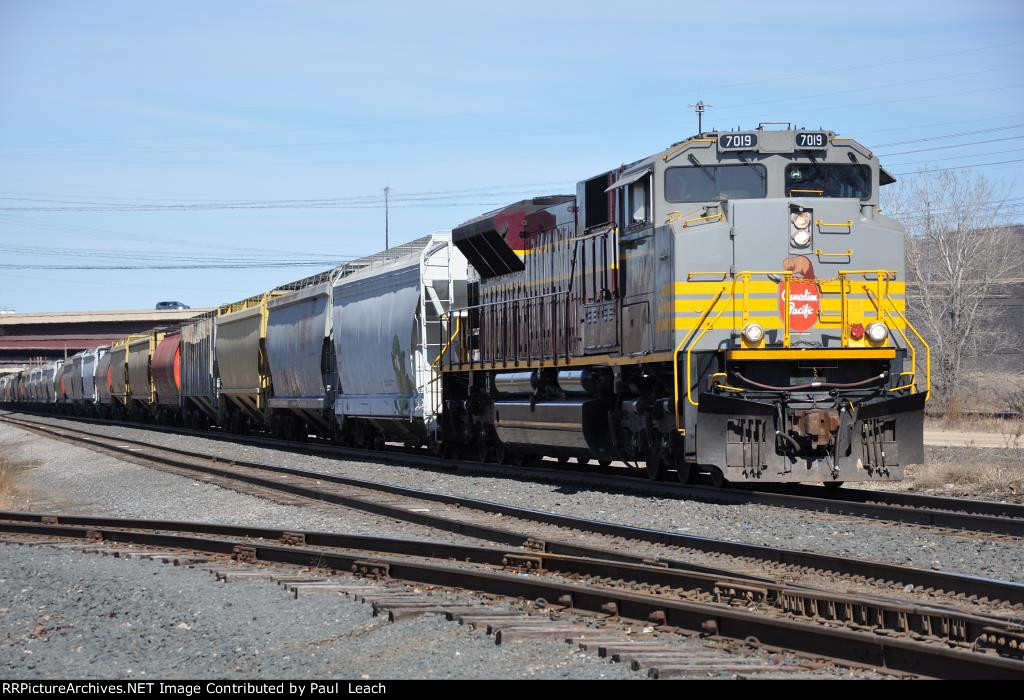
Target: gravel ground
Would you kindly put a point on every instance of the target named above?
(60, 477)
(841, 536)
(65, 614)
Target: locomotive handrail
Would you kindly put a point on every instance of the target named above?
(683, 146)
(503, 339)
(506, 301)
(845, 224)
(843, 318)
(689, 355)
(690, 341)
(848, 253)
(675, 357)
(691, 275)
(913, 351)
(904, 386)
(447, 345)
(718, 217)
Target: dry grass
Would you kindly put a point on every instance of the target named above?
(976, 473)
(977, 424)
(10, 470)
(7, 477)
(976, 476)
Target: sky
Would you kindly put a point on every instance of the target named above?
(226, 148)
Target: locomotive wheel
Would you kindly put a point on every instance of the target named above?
(483, 450)
(684, 473)
(655, 468)
(499, 454)
(514, 458)
(716, 477)
(604, 462)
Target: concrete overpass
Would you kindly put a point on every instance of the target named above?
(48, 335)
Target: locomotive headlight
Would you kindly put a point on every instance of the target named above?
(801, 239)
(753, 333)
(800, 229)
(877, 332)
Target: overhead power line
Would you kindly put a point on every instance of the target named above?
(959, 157)
(943, 148)
(950, 136)
(959, 167)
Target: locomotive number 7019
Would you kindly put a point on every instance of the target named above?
(728, 142)
(811, 139)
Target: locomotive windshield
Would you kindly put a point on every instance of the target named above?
(828, 180)
(709, 183)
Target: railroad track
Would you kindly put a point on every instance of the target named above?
(956, 515)
(659, 652)
(934, 642)
(552, 533)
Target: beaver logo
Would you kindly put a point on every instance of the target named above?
(804, 294)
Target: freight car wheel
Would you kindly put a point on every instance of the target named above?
(437, 447)
(831, 485)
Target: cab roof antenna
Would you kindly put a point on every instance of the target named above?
(699, 109)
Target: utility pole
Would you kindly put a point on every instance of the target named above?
(387, 191)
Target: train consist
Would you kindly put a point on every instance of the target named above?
(731, 306)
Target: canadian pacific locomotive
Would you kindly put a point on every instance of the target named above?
(732, 306)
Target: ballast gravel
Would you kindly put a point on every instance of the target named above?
(56, 476)
(66, 614)
(773, 527)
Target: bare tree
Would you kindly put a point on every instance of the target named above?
(960, 249)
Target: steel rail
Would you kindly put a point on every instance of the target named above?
(934, 623)
(982, 588)
(899, 654)
(991, 517)
(970, 506)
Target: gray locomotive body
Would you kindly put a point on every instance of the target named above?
(733, 304)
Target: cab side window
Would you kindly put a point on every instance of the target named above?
(635, 203)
